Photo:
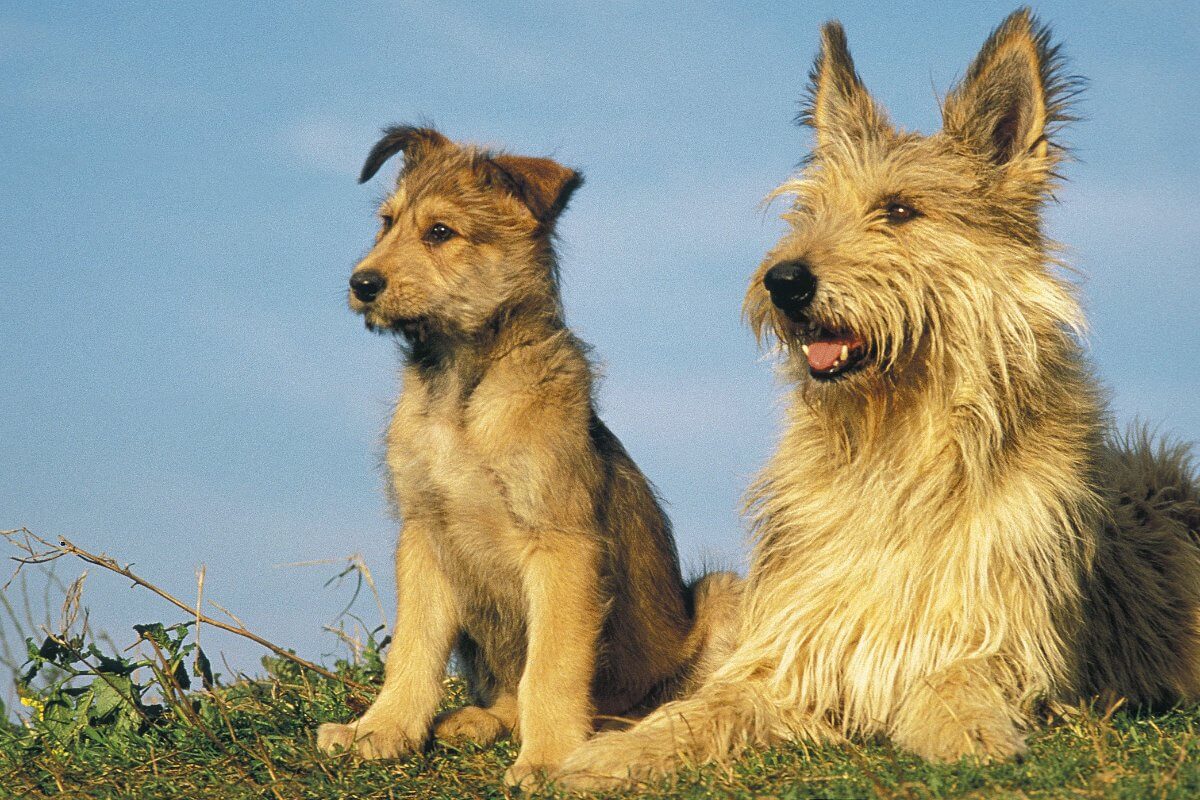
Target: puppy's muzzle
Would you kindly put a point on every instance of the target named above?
(367, 285)
(792, 286)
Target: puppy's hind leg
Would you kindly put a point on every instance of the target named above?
(483, 726)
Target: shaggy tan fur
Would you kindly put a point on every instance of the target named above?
(532, 547)
(949, 532)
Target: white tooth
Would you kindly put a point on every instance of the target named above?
(845, 352)
(804, 347)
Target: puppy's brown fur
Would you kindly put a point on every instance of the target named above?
(949, 533)
(532, 547)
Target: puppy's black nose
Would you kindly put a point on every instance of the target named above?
(367, 285)
(791, 284)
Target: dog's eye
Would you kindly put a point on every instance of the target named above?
(897, 212)
(386, 220)
(438, 233)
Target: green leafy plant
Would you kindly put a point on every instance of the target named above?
(95, 694)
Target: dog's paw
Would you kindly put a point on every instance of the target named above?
(369, 740)
(985, 740)
(604, 762)
(573, 781)
(332, 737)
(469, 724)
(527, 776)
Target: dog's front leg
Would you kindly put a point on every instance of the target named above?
(554, 709)
(960, 711)
(398, 721)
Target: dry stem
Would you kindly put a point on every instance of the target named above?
(24, 539)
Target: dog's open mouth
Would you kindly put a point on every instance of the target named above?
(832, 354)
(412, 329)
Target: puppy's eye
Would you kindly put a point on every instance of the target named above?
(897, 212)
(438, 233)
(387, 221)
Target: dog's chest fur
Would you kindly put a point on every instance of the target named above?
(441, 476)
(862, 585)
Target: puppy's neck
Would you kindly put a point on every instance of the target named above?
(468, 355)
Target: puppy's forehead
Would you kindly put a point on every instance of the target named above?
(450, 177)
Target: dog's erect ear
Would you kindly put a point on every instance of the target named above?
(837, 102)
(545, 186)
(413, 142)
(1014, 95)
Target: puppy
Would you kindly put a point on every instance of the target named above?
(532, 547)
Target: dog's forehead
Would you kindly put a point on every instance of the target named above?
(434, 178)
(907, 163)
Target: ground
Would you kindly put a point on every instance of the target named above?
(255, 738)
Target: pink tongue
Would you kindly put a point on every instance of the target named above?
(823, 355)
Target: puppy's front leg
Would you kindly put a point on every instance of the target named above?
(426, 624)
(554, 706)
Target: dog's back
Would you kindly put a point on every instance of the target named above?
(1140, 638)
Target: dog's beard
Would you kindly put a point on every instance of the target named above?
(413, 329)
(413, 332)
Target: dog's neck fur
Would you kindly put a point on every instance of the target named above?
(463, 358)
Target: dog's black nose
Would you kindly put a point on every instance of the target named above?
(791, 284)
(367, 285)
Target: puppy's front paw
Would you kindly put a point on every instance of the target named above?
(367, 738)
(332, 737)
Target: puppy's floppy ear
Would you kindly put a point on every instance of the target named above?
(413, 141)
(1014, 96)
(837, 103)
(543, 185)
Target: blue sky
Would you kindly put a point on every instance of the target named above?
(183, 384)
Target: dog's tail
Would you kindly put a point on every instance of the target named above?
(716, 600)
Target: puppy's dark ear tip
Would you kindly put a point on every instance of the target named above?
(370, 168)
(400, 138)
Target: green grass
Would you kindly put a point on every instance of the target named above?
(125, 726)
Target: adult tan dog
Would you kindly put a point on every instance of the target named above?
(949, 532)
(531, 546)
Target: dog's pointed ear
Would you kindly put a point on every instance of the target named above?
(1013, 97)
(542, 184)
(412, 141)
(837, 102)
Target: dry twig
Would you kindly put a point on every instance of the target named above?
(24, 540)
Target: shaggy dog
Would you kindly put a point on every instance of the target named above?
(949, 531)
